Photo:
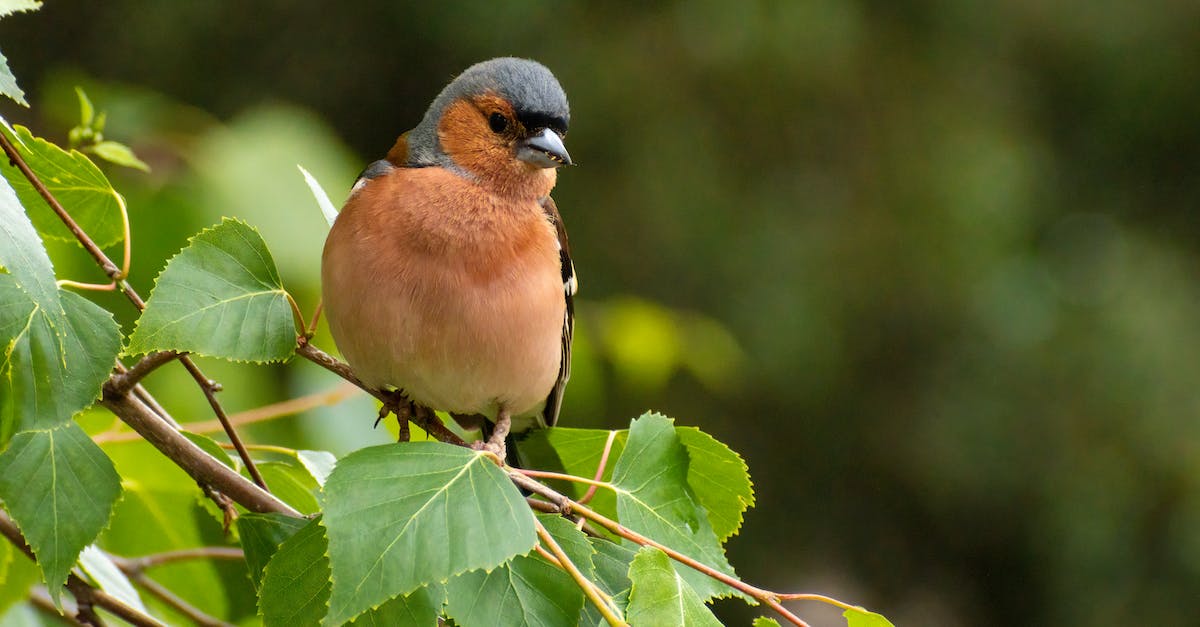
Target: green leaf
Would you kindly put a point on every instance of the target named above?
(87, 113)
(418, 609)
(318, 464)
(292, 483)
(858, 617)
(653, 497)
(261, 535)
(295, 583)
(327, 209)
(102, 573)
(719, 478)
(527, 591)
(8, 7)
(220, 296)
(118, 153)
(21, 250)
(765, 621)
(57, 354)
(612, 562)
(576, 452)
(163, 510)
(402, 516)
(662, 598)
(295, 588)
(75, 181)
(8, 83)
(60, 489)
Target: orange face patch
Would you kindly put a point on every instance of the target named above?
(467, 137)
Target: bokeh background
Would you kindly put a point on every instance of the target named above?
(930, 265)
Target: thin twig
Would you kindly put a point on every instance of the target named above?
(202, 467)
(210, 389)
(40, 599)
(131, 565)
(546, 474)
(123, 381)
(85, 595)
(118, 275)
(176, 602)
(423, 416)
(583, 582)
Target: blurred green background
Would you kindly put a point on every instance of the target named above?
(930, 266)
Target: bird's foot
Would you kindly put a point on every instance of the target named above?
(496, 444)
(394, 402)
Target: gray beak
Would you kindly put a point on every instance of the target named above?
(544, 150)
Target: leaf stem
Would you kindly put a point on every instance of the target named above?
(583, 582)
(591, 491)
(808, 596)
(545, 474)
(123, 381)
(296, 315)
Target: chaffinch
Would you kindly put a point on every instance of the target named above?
(447, 274)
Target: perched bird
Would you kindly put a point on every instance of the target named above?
(447, 274)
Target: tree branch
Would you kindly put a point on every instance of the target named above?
(176, 602)
(124, 381)
(131, 565)
(423, 416)
(117, 275)
(201, 466)
(85, 595)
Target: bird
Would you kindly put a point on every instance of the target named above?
(447, 275)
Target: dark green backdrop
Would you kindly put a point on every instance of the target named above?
(931, 266)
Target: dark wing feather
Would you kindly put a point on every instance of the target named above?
(570, 285)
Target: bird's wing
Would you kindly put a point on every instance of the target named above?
(570, 286)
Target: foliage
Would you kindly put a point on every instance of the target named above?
(397, 534)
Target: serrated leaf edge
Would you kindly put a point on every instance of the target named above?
(125, 349)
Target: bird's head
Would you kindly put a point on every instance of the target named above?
(501, 122)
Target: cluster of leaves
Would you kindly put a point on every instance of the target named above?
(401, 534)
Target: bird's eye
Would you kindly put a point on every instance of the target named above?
(498, 122)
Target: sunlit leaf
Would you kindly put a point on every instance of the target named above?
(527, 591)
(74, 180)
(118, 153)
(858, 617)
(662, 598)
(318, 463)
(292, 483)
(653, 497)
(8, 83)
(765, 621)
(220, 296)
(327, 209)
(60, 489)
(402, 516)
(8, 7)
(719, 478)
(261, 536)
(102, 573)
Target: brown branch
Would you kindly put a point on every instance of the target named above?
(124, 381)
(201, 466)
(86, 597)
(176, 602)
(210, 388)
(117, 275)
(423, 416)
(131, 565)
(40, 599)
